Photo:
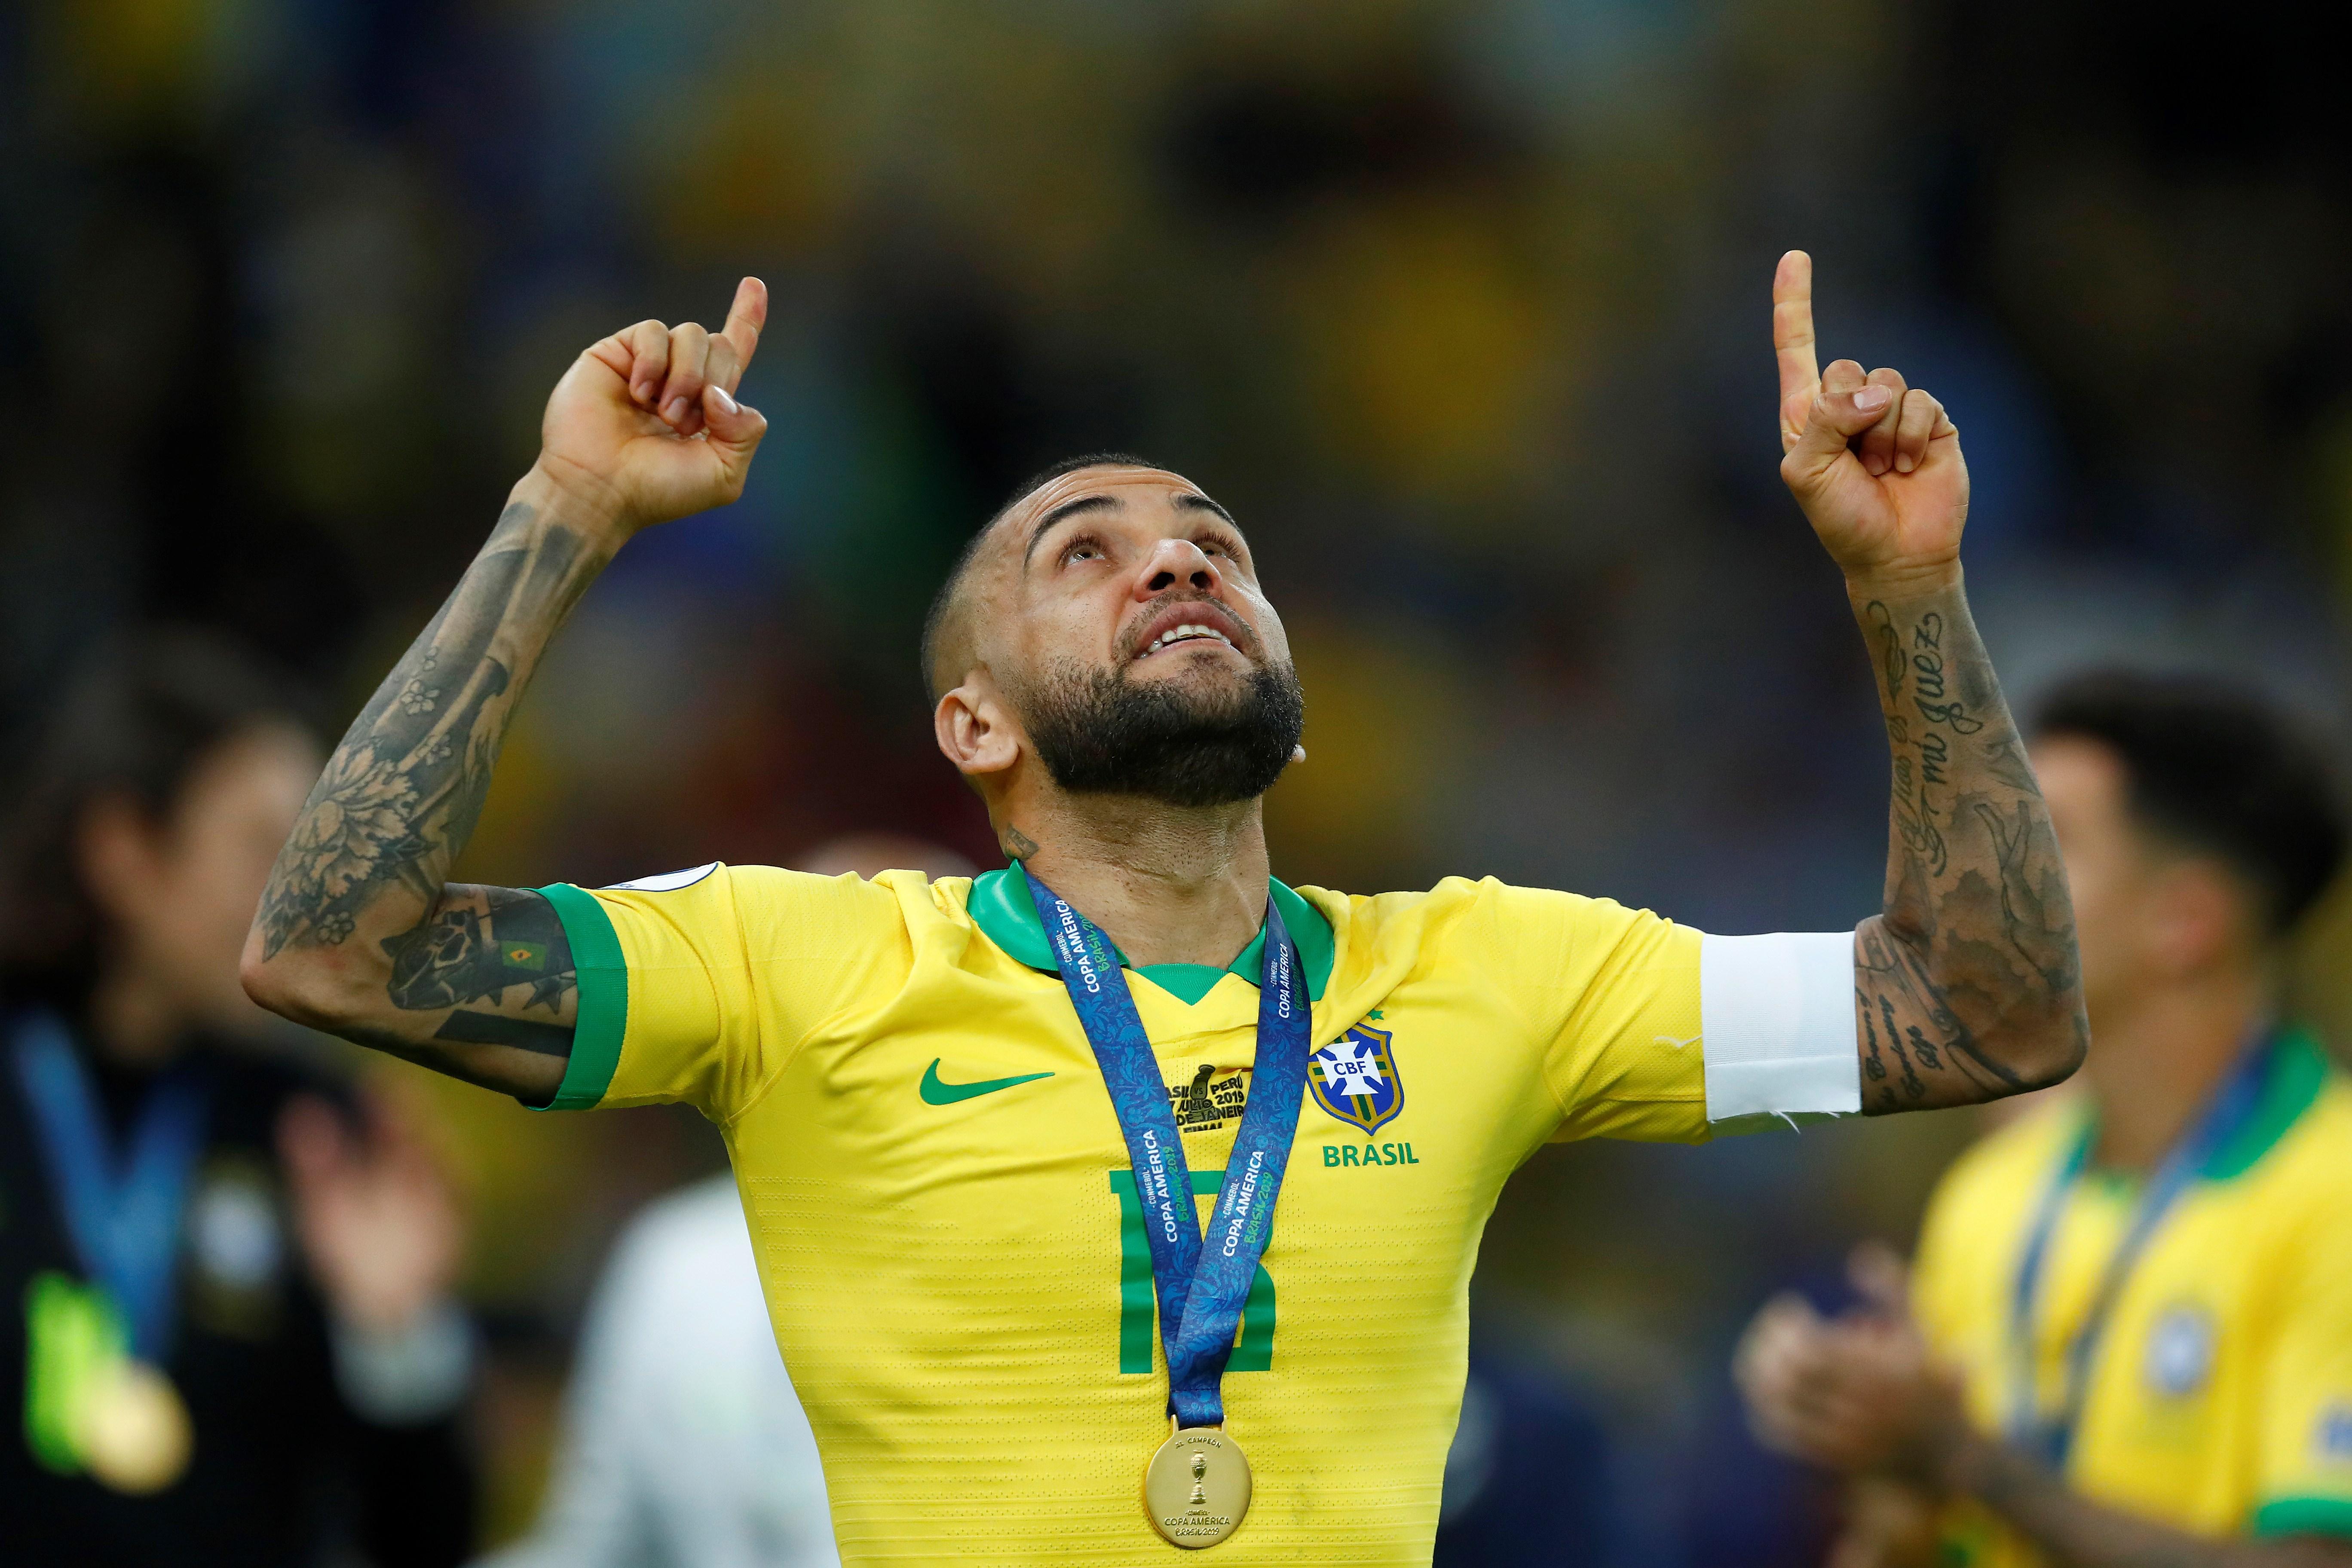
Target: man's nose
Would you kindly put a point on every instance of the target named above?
(1177, 562)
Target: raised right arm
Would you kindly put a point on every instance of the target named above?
(359, 933)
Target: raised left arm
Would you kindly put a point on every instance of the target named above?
(1967, 986)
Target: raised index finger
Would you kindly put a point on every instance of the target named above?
(744, 320)
(1793, 325)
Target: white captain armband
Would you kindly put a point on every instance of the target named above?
(1776, 1017)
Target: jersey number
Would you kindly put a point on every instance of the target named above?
(1254, 1350)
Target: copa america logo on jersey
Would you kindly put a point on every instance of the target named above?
(1355, 1078)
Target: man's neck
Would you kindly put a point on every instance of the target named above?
(1168, 884)
(2156, 1059)
(135, 1020)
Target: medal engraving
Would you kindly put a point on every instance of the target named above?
(1196, 1490)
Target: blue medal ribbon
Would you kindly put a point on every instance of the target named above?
(2051, 1436)
(1202, 1288)
(123, 1218)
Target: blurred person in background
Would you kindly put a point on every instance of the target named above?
(683, 1441)
(229, 1338)
(1529, 1479)
(939, 1192)
(2128, 1338)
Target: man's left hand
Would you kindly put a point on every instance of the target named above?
(1873, 460)
(377, 1221)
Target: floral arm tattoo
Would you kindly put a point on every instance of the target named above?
(1966, 988)
(464, 976)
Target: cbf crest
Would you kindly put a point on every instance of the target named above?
(1355, 1077)
(2181, 1350)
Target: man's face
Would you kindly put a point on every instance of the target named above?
(1119, 610)
(179, 892)
(2116, 876)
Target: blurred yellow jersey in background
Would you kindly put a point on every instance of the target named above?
(2221, 1398)
(946, 1225)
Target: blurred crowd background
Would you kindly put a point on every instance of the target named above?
(1459, 305)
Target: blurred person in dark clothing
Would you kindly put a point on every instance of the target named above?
(1527, 1477)
(229, 1338)
(2130, 1340)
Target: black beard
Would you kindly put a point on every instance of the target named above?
(1099, 734)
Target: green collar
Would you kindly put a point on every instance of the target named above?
(2297, 1073)
(2291, 1080)
(1000, 906)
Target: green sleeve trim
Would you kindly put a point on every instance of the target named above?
(2304, 1516)
(604, 998)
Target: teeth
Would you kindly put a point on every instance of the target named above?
(1185, 633)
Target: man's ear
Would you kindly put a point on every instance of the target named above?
(2201, 912)
(976, 728)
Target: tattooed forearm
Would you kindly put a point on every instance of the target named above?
(357, 931)
(402, 794)
(1965, 986)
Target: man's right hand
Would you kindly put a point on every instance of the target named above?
(1858, 1392)
(360, 932)
(645, 427)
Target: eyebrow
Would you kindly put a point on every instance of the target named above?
(1068, 508)
(1192, 502)
(1188, 501)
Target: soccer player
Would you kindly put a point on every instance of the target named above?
(964, 1114)
(2134, 1305)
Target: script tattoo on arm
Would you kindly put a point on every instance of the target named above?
(356, 916)
(1967, 986)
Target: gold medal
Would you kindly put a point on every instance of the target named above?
(1196, 1490)
(132, 1428)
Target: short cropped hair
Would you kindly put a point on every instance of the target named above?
(138, 721)
(935, 619)
(2217, 770)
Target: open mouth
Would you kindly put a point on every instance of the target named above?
(1190, 631)
(1188, 623)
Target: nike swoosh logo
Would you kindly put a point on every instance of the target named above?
(935, 1092)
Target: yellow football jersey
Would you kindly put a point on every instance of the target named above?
(946, 1229)
(2221, 1398)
